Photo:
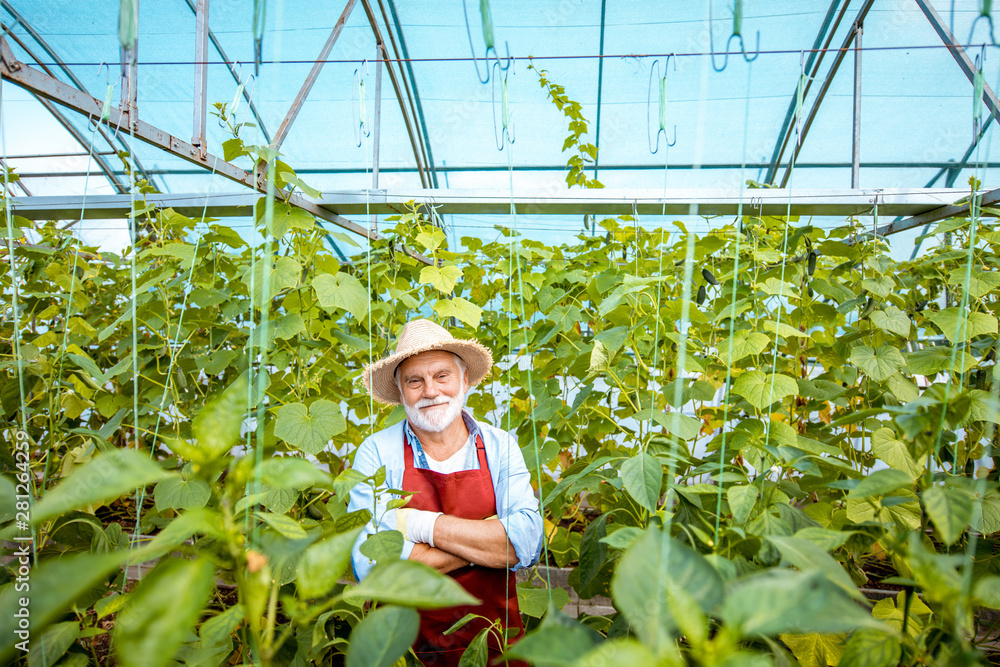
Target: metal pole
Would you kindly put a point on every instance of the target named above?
(379, 53)
(813, 62)
(960, 56)
(856, 144)
(307, 85)
(200, 75)
(826, 87)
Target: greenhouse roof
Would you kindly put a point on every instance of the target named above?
(439, 126)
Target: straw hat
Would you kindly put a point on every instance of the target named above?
(423, 336)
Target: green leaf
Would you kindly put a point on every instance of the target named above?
(144, 633)
(816, 650)
(52, 643)
(781, 601)
(309, 430)
(981, 283)
(288, 326)
(232, 149)
(323, 563)
(761, 390)
(642, 476)
(932, 360)
(346, 481)
(880, 286)
(986, 590)
(55, 584)
(892, 320)
(341, 290)
(460, 308)
(382, 637)
(284, 274)
(881, 482)
(443, 278)
(966, 325)
(534, 601)
(622, 652)
(871, 648)
(284, 525)
(431, 239)
(741, 344)
(286, 217)
(384, 545)
(558, 642)
(950, 509)
(102, 479)
(741, 501)
(598, 359)
(291, 472)
(647, 572)
(221, 626)
(410, 584)
(806, 555)
(217, 425)
(894, 453)
(180, 493)
(783, 330)
(880, 364)
(293, 179)
(477, 653)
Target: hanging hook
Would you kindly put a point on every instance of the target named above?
(736, 34)
(800, 94)
(985, 9)
(488, 39)
(654, 142)
(246, 112)
(977, 99)
(359, 111)
(106, 108)
(507, 126)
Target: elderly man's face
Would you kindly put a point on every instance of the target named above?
(432, 389)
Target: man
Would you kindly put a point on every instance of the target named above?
(473, 514)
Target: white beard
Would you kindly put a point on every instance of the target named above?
(436, 420)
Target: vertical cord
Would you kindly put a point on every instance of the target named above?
(732, 307)
(799, 99)
(173, 353)
(990, 430)
(531, 392)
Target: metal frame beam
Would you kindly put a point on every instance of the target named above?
(943, 166)
(812, 65)
(236, 76)
(856, 121)
(651, 202)
(200, 75)
(307, 85)
(72, 98)
(838, 59)
(416, 141)
(56, 113)
(959, 54)
(942, 213)
(415, 105)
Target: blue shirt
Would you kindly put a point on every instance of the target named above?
(517, 506)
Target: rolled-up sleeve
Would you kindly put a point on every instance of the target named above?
(517, 506)
(367, 461)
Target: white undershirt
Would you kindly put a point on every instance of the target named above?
(453, 463)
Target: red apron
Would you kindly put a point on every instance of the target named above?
(467, 494)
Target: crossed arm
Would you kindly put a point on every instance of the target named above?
(459, 542)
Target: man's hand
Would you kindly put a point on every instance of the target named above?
(482, 543)
(442, 561)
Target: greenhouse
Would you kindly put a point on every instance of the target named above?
(573, 332)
